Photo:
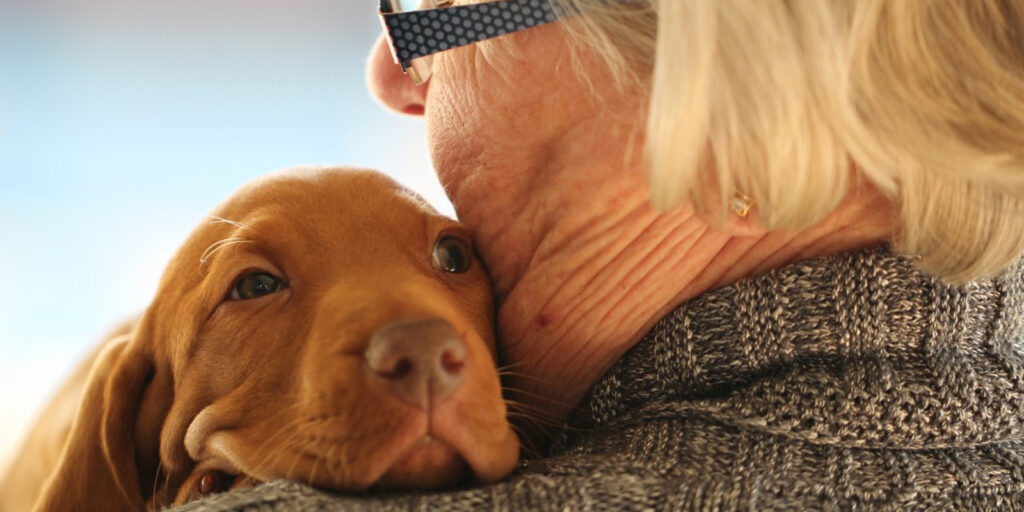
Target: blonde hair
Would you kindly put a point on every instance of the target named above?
(778, 98)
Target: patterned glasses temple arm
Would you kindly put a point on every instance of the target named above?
(414, 34)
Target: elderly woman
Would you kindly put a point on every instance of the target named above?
(749, 254)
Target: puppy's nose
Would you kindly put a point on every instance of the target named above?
(422, 359)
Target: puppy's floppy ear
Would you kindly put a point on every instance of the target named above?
(99, 466)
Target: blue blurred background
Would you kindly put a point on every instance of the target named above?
(123, 122)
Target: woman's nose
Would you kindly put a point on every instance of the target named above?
(389, 85)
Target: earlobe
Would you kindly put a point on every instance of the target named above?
(122, 403)
(97, 468)
(743, 226)
(736, 217)
(389, 85)
(732, 223)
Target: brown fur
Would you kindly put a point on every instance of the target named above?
(21, 482)
(277, 386)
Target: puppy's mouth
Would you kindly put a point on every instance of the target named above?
(429, 451)
(399, 445)
(428, 464)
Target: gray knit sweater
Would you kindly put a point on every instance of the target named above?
(852, 382)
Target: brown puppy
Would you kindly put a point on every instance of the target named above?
(33, 463)
(326, 327)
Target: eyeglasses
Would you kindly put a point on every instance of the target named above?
(416, 30)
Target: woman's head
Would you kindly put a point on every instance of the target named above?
(508, 119)
(777, 100)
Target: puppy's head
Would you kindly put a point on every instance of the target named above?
(326, 326)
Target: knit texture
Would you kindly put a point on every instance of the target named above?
(852, 382)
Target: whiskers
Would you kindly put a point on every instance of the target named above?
(298, 439)
(218, 245)
(153, 504)
(225, 242)
(234, 223)
(529, 412)
(505, 372)
(272, 447)
(504, 368)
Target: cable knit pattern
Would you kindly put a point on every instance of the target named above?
(852, 382)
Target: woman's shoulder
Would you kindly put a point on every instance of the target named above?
(702, 465)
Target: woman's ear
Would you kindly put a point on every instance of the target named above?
(99, 466)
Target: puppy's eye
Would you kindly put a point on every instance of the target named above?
(212, 482)
(452, 254)
(256, 284)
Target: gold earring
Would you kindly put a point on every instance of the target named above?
(740, 204)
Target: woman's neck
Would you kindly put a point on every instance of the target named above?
(583, 266)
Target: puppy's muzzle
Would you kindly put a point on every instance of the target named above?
(422, 360)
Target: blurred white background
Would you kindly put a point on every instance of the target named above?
(123, 122)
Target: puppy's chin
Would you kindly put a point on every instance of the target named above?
(429, 464)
